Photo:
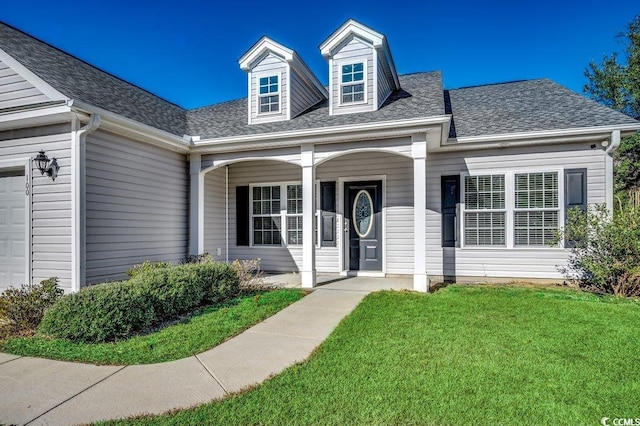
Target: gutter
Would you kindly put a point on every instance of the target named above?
(321, 135)
(612, 145)
(78, 199)
(128, 127)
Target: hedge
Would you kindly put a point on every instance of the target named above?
(117, 310)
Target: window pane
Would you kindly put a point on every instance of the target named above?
(484, 228)
(347, 69)
(273, 80)
(263, 81)
(358, 76)
(358, 67)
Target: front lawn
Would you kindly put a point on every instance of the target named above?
(196, 333)
(464, 355)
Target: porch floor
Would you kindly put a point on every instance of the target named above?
(339, 282)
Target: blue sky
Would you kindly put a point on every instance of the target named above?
(187, 51)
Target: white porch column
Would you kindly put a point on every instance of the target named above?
(196, 206)
(308, 233)
(419, 154)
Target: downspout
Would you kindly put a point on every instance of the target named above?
(226, 213)
(78, 197)
(608, 168)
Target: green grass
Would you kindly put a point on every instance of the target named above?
(464, 355)
(196, 333)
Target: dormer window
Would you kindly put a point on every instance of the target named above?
(269, 94)
(352, 83)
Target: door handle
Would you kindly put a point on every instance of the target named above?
(346, 225)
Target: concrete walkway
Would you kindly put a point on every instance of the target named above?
(38, 391)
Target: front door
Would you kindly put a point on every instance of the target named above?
(363, 213)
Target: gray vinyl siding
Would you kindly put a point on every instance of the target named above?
(269, 65)
(501, 262)
(136, 205)
(353, 50)
(302, 97)
(398, 206)
(50, 203)
(16, 91)
(384, 84)
(285, 259)
(214, 214)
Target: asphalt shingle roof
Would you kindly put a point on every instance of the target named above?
(420, 96)
(525, 106)
(521, 106)
(78, 80)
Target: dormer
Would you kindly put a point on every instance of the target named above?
(280, 85)
(362, 74)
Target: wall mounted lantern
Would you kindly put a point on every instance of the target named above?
(42, 163)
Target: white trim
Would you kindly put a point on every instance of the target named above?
(249, 105)
(261, 46)
(549, 133)
(365, 80)
(282, 214)
(341, 241)
(268, 74)
(24, 163)
(509, 209)
(32, 78)
(289, 78)
(375, 83)
(351, 27)
(327, 134)
(35, 115)
(128, 127)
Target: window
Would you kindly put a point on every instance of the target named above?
(269, 97)
(352, 83)
(536, 208)
(294, 214)
(266, 215)
(484, 210)
(273, 206)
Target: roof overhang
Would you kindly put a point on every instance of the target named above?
(543, 137)
(437, 125)
(121, 125)
(42, 114)
(356, 29)
(265, 44)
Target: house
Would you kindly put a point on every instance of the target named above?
(376, 174)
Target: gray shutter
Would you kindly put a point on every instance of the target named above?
(450, 186)
(575, 194)
(242, 216)
(327, 214)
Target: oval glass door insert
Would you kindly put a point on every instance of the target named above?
(362, 213)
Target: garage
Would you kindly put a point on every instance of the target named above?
(12, 228)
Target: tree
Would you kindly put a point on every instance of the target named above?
(616, 83)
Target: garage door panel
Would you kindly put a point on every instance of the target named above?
(12, 230)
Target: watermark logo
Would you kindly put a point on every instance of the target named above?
(606, 421)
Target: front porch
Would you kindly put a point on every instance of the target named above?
(344, 209)
(331, 281)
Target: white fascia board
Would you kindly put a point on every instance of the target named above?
(592, 134)
(346, 29)
(265, 43)
(631, 128)
(364, 131)
(128, 127)
(32, 78)
(35, 115)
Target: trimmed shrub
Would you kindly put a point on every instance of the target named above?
(146, 266)
(21, 309)
(118, 310)
(100, 313)
(171, 290)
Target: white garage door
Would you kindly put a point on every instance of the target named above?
(12, 229)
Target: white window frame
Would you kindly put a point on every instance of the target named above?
(510, 206)
(516, 209)
(268, 74)
(283, 214)
(352, 61)
(464, 210)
